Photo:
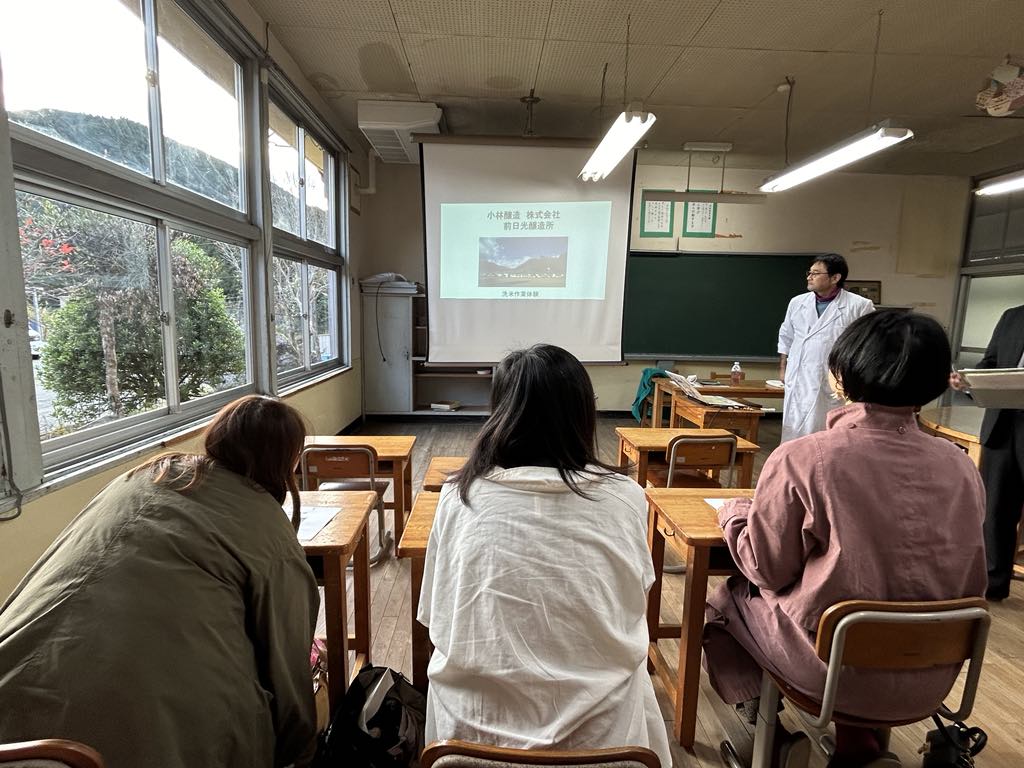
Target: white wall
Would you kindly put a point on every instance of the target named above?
(906, 231)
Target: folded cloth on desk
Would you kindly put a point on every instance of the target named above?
(996, 387)
(775, 383)
(644, 389)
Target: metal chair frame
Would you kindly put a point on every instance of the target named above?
(767, 715)
(367, 452)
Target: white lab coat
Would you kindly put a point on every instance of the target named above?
(806, 340)
(535, 598)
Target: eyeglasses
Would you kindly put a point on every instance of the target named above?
(811, 273)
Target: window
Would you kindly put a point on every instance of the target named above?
(301, 180)
(96, 324)
(90, 90)
(135, 257)
(210, 314)
(199, 87)
(75, 70)
(94, 306)
(283, 154)
(305, 315)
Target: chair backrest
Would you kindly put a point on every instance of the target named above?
(715, 453)
(321, 463)
(45, 752)
(904, 636)
(464, 754)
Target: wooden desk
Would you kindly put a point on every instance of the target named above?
(342, 539)
(394, 457)
(439, 469)
(744, 420)
(960, 424)
(414, 546)
(639, 444)
(664, 388)
(683, 517)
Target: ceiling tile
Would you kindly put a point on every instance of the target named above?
(349, 60)
(472, 66)
(476, 18)
(954, 28)
(572, 71)
(748, 79)
(655, 22)
(326, 14)
(793, 25)
(677, 125)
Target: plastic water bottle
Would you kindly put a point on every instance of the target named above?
(736, 373)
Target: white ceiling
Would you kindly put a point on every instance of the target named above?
(708, 69)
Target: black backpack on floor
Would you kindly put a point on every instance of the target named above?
(395, 714)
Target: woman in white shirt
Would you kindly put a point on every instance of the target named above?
(536, 578)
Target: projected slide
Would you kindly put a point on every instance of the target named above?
(524, 250)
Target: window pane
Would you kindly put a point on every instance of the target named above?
(91, 294)
(76, 70)
(209, 314)
(283, 154)
(288, 314)
(318, 180)
(199, 108)
(323, 320)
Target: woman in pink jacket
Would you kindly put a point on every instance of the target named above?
(871, 508)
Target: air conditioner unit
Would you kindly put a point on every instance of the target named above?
(389, 125)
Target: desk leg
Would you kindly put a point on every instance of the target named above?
(641, 467)
(335, 612)
(656, 543)
(746, 479)
(658, 406)
(402, 497)
(622, 453)
(361, 596)
(421, 647)
(755, 422)
(688, 688)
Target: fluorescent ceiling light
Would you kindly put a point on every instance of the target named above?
(874, 139)
(625, 132)
(1000, 185)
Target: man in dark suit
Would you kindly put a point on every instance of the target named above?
(1002, 457)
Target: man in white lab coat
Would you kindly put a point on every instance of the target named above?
(814, 320)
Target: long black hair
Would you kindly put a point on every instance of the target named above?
(542, 415)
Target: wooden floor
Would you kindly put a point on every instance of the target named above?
(1000, 700)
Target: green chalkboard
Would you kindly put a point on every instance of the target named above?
(708, 304)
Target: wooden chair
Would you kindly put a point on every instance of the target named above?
(47, 753)
(712, 454)
(464, 754)
(879, 635)
(349, 468)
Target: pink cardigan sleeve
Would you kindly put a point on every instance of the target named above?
(771, 536)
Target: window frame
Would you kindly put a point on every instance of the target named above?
(61, 452)
(47, 166)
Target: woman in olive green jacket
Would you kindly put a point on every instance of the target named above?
(170, 623)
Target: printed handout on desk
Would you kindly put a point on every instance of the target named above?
(996, 387)
(716, 504)
(693, 393)
(313, 520)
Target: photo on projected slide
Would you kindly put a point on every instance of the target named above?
(523, 262)
(553, 250)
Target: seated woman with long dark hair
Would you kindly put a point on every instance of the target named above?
(170, 623)
(536, 575)
(870, 509)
